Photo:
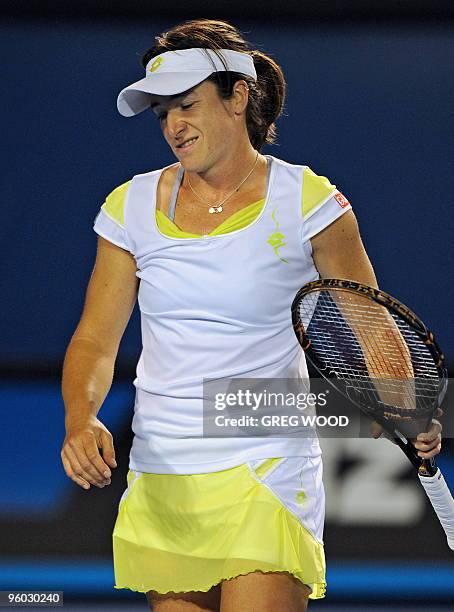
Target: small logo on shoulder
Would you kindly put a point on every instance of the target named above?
(341, 199)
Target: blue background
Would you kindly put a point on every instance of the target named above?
(371, 107)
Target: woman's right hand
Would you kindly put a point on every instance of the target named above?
(89, 365)
(80, 454)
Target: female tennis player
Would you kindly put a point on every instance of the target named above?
(215, 247)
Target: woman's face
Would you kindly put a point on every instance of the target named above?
(199, 126)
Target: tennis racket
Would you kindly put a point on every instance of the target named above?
(381, 356)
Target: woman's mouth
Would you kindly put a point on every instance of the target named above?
(187, 144)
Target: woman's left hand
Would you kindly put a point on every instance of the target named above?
(428, 444)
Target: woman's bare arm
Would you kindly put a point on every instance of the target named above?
(338, 252)
(89, 364)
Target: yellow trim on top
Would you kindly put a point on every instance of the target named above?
(238, 220)
(114, 205)
(169, 228)
(315, 190)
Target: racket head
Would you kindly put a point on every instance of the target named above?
(348, 330)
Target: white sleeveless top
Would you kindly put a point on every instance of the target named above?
(215, 307)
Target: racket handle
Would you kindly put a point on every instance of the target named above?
(442, 501)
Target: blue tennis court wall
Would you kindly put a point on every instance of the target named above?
(369, 106)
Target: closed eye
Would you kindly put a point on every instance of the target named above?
(161, 116)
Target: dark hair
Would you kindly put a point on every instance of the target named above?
(266, 95)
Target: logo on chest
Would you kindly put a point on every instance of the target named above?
(277, 239)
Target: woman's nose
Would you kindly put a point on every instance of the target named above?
(175, 124)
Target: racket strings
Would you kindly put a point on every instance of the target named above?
(376, 351)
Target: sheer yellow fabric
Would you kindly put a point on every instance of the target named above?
(114, 205)
(235, 222)
(189, 532)
(315, 191)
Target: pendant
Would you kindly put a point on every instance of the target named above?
(215, 209)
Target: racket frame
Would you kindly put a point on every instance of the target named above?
(425, 467)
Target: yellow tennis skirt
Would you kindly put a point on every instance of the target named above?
(189, 532)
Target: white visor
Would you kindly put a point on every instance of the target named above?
(174, 72)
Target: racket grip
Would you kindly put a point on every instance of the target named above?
(442, 501)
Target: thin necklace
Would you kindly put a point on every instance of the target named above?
(217, 208)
